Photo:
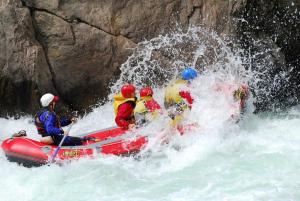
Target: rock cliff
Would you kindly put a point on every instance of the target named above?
(74, 48)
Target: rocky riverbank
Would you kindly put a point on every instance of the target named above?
(75, 48)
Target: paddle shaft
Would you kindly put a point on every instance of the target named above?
(60, 144)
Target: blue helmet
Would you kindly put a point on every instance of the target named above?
(189, 74)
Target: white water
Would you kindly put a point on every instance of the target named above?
(257, 159)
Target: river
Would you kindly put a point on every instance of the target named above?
(256, 159)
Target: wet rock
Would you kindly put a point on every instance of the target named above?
(85, 42)
(273, 25)
(24, 72)
(75, 48)
(81, 57)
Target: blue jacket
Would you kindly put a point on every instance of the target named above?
(51, 125)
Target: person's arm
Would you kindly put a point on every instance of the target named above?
(242, 105)
(124, 113)
(64, 121)
(153, 105)
(187, 96)
(50, 125)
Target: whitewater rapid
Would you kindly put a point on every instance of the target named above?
(256, 159)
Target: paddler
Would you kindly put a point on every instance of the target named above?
(241, 95)
(178, 98)
(147, 108)
(178, 101)
(124, 104)
(49, 124)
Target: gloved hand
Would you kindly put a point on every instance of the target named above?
(131, 126)
(74, 120)
(65, 132)
(21, 133)
(87, 138)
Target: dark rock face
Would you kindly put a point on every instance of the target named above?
(273, 27)
(80, 56)
(74, 48)
(24, 70)
(44, 52)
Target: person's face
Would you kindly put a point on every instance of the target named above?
(52, 105)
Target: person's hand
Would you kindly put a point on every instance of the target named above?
(87, 138)
(66, 133)
(74, 120)
(131, 126)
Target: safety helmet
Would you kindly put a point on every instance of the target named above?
(48, 98)
(188, 74)
(146, 91)
(127, 91)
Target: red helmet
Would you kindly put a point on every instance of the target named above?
(128, 91)
(146, 91)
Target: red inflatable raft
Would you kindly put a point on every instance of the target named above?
(114, 141)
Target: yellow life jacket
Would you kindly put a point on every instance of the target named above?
(142, 113)
(119, 100)
(172, 92)
(140, 106)
(177, 120)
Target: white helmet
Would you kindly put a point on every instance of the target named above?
(46, 99)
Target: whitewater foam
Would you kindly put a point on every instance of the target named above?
(255, 159)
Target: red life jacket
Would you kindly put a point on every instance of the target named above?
(40, 125)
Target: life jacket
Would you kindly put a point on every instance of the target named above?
(40, 125)
(146, 109)
(172, 96)
(119, 100)
(143, 106)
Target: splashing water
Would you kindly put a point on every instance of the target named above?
(161, 59)
(256, 159)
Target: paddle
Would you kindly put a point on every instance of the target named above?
(60, 144)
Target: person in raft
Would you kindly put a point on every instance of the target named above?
(49, 124)
(146, 108)
(241, 95)
(124, 104)
(178, 98)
